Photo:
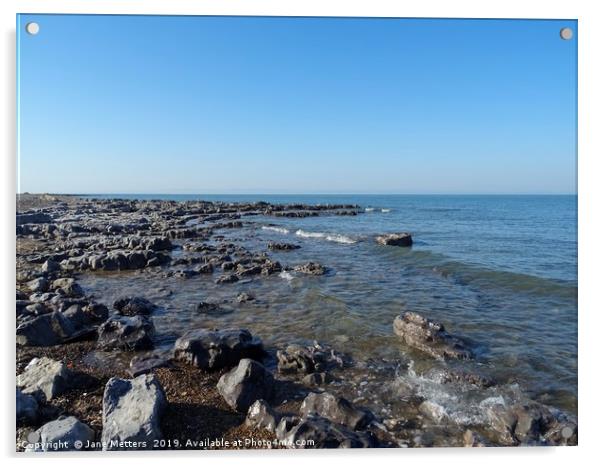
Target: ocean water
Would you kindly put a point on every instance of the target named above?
(498, 270)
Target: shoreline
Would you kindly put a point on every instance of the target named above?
(48, 237)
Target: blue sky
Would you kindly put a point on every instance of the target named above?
(151, 104)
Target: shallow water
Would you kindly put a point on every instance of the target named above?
(499, 270)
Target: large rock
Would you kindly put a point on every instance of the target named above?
(44, 378)
(311, 268)
(297, 359)
(245, 384)
(63, 434)
(429, 337)
(45, 330)
(126, 333)
(36, 217)
(214, 349)
(134, 305)
(27, 408)
(395, 239)
(318, 432)
(38, 285)
(261, 415)
(336, 409)
(67, 287)
(131, 413)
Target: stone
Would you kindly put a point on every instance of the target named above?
(297, 359)
(27, 408)
(67, 287)
(131, 412)
(473, 439)
(214, 349)
(316, 379)
(245, 384)
(336, 409)
(311, 268)
(433, 410)
(37, 217)
(395, 239)
(318, 432)
(206, 307)
(245, 297)
(44, 378)
(133, 306)
(38, 285)
(226, 278)
(274, 246)
(146, 363)
(126, 333)
(45, 330)
(50, 266)
(430, 337)
(62, 434)
(262, 416)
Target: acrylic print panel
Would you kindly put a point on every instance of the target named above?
(252, 232)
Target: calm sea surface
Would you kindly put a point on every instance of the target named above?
(499, 270)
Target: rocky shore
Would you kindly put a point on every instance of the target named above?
(215, 387)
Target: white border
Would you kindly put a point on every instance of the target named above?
(590, 236)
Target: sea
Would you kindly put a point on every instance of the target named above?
(498, 270)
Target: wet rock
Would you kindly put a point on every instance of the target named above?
(473, 439)
(316, 379)
(297, 359)
(282, 246)
(205, 268)
(214, 349)
(44, 379)
(317, 432)
(429, 337)
(270, 267)
(247, 271)
(433, 410)
(126, 333)
(50, 266)
(446, 375)
(38, 285)
(395, 239)
(336, 409)
(134, 305)
(67, 287)
(245, 384)
(245, 297)
(62, 435)
(262, 416)
(146, 363)
(132, 411)
(227, 278)
(27, 408)
(45, 330)
(311, 268)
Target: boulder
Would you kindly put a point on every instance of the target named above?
(311, 268)
(45, 330)
(133, 306)
(318, 432)
(126, 333)
(429, 337)
(245, 297)
(38, 285)
(226, 278)
(214, 349)
(27, 408)
(50, 266)
(131, 413)
(44, 378)
(67, 287)
(336, 409)
(395, 239)
(143, 364)
(297, 359)
(262, 416)
(245, 384)
(62, 434)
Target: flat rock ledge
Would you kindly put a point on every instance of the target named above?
(430, 337)
(214, 349)
(131, 413)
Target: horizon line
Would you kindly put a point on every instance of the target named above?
(297, 194)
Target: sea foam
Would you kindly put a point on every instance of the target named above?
(327, 236)
(282, 230)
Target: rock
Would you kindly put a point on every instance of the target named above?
(37, 217)
(50, 266)
(245, 297)
(208, 308)
(131, 413)
(38, 285)
(395, 239)
(67, 287)
(62, 435)
(214, 349)
(133, 306)
(44, 378)
(227, 278)
(45, 330)
(282, 246)
(433, 410)
(473, 439)
(27, 408)
(262, 416)
(205, 268)
(245, 384)
(311, 268)
(126, 333)
(446, 375)
(317, 432)
(317, 378)
(429, 337)
(297, 359)
(336, 409)
(147, 363)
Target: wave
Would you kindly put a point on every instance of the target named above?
(282, 230)
(385, 210)
(286, 275)
(369, 209)
(337, 238)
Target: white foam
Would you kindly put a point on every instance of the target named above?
(385, 210)
(369, 209)
(282, 230)
(328, 237)
(286, 275)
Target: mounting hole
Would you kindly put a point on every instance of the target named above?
(566, 33)
(32, 28)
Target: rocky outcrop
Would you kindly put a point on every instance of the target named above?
(311, 268)
(35, 217)
(131, 413)
(274, 246)
(63, 434)
(297, 359)
(126, 333)
(395, 239)
(245, 384)
(214, 349)
(44, 378)
(430, 337)
(336, 409)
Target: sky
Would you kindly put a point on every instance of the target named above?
(155, 104)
